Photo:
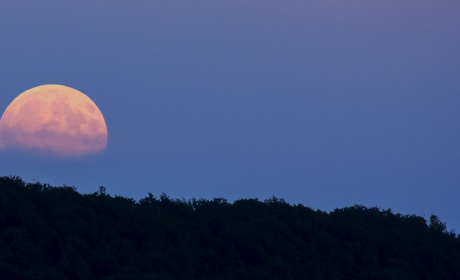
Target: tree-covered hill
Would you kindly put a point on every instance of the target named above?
(57, 233)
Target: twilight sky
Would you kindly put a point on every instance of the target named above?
(324, 103)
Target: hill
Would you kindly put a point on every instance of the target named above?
(57, 233)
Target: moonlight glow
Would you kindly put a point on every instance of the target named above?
(53, 119)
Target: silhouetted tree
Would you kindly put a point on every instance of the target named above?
(56, 233)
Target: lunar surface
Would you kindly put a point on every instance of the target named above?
(54, 120)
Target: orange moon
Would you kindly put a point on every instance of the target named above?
(54, 120)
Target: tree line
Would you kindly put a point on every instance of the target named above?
(51, 232)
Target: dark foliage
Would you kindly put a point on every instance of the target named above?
(56, 233)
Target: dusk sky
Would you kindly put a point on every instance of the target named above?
(324, 103)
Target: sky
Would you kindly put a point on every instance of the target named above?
(323, 103)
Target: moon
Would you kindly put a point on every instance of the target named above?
(54, 120)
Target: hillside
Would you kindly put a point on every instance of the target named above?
(57, 233)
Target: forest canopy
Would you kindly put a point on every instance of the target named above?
(51, 232)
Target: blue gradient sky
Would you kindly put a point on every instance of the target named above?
(324, 103)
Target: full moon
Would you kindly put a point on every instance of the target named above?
(53, 120)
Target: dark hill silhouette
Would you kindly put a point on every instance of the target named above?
(57, 233)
